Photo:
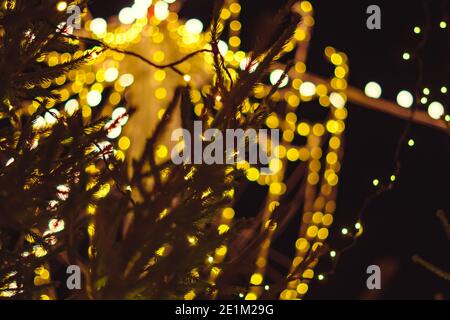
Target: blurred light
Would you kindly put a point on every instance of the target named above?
(121, 114)
(417, 30)
(337, 100)
(126, 80)
(344, 231)
(71, 106)
(423, 100)
(376, 182)
(393, 177)
(98, 26)
(111, 74)
(443, 24)
(187, 78)
(61, 6)
(39, 123)
(357, 225)
(11, 160)
(126, 15)
(63, 191)
(194, 26)
(140, 8)
(426, 91)
(55, 225)
(275, 76)
(405, 99)
(51, 116)
(333, 254)
(94, 98)
(307, 89)
(411, 142)
(161, 10)
(124, 143)
(444, 89)
(223, 47)
(113, 129)
(373, 90)
(320, 277)
(436, 110)
(244, 64)
(406, 56)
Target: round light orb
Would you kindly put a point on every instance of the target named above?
(275, 76)
(436, 110)
(373, 90)
(405, 99)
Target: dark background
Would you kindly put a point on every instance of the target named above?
(402, 222)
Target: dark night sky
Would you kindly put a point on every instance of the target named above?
(401, 222)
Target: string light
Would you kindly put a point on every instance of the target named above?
(405, 99)
(436, 110)
(373, 90)
(61, 6)
(300, 91)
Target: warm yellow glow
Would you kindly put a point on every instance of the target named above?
(405, 99)
(61, 6)
(307, 89)
(373, 90)
(256, 279)
(436, 110)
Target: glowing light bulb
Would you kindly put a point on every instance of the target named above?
(275, 76)
(405, 99)
(187, 78)
(194, 26)
(223, 47)
(373, 90)
(337, 100)
(61, 6)
(121, 114)
(94, 98)
(71, 106)
(51, 117)
(161, 10)
(307, 89)
(111, 74)
(126, 15)
(98, 26)
(113, 129)
(126, 80)
(436, 110)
